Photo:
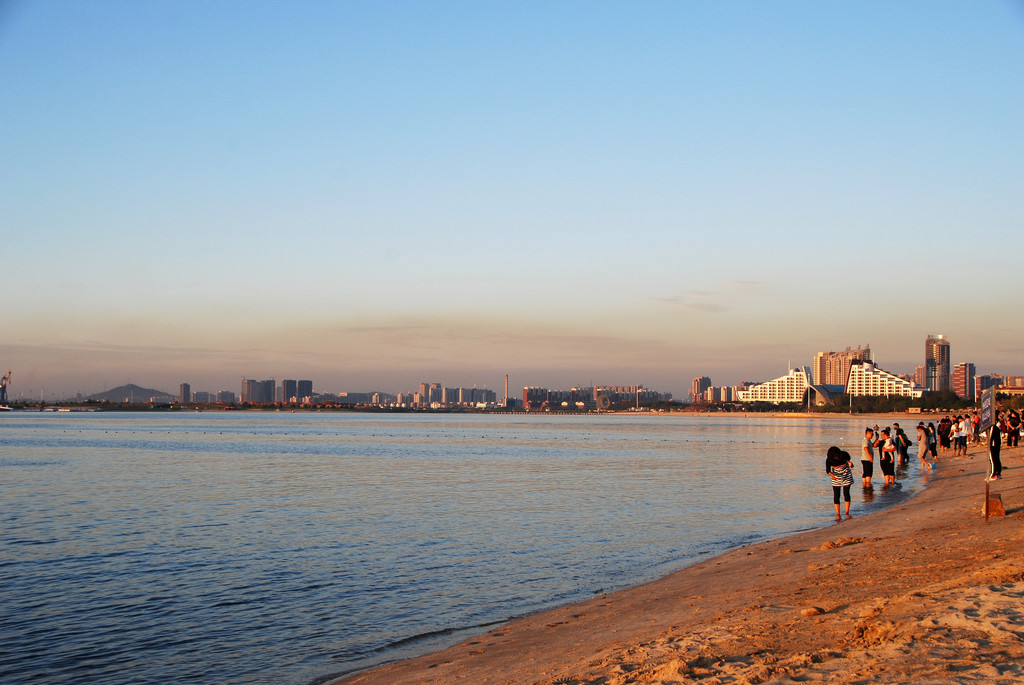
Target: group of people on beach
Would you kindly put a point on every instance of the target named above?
(958, 431)
(892, 445)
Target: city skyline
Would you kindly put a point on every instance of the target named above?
(830, 363)
(372, 195)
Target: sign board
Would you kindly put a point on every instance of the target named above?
(988, 409)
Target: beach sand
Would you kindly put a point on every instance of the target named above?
(925, 592)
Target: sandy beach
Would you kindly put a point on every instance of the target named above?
(924, 592)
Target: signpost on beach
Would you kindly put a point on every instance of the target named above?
(988, 409)
(988, 419)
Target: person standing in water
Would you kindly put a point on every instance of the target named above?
(902, 443)
(933, 439)
(887, 457)
(922, 446)
(839, 467)
(867, 456)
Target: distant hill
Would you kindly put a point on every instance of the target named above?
(128, 393)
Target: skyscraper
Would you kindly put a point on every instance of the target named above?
(698, 387)
(289, 390)
(963, 380)
(936, 362)
(185, 393)
(257, 392)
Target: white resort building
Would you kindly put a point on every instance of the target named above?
(868, 379)
(788, 388)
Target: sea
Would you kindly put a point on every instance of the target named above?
(293, 548)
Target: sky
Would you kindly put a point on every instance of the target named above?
(372, 195)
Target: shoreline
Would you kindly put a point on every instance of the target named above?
(924, 590)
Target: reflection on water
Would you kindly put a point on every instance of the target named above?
(280, 548)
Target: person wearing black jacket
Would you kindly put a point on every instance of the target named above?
(994, 443)
(902, 444)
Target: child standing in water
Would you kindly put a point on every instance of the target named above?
(839, 467)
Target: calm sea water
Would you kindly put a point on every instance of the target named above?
(289, 548)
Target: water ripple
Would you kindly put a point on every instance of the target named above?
(284, 548)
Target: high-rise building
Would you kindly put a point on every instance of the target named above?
(226, 397)
(698, 387)
(963, 380)
(250, 388)
(258, 392)
(833, 368)
(303, 390)
(988, 380)
(534, 397)
(921, 376)
(289, 391)
(936, 363)
(185, 393)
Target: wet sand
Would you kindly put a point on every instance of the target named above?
(924, 592)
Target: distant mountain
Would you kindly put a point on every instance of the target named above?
(128, 393)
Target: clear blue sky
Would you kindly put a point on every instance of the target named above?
(375, 194)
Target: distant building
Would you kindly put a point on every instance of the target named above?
(534, 397)
(289, 391)
(627, 394)
(788, 388)
(356, 397)
(226, 397)
(201, 397)
(304, 391)
(963, 380)
(698, 388)
(936, 363)
(983, 383)
(718, 394)
(866, 379)
(833, 368)
(921, 375)
(258, 392)
(185, 393)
